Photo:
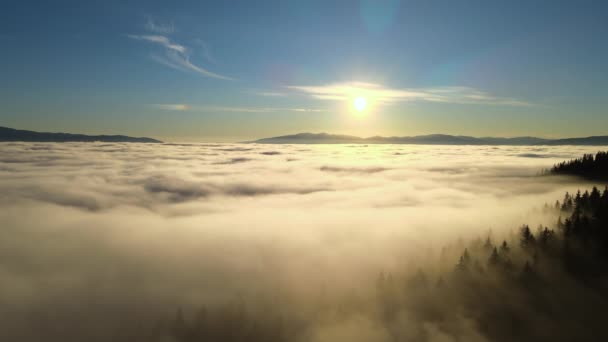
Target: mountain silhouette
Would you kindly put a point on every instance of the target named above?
(10, 134)
(432, 139)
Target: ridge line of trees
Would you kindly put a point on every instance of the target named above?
(589, 166)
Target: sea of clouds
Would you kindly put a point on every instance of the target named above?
(138, 227)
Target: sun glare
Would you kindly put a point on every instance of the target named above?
(360, 103)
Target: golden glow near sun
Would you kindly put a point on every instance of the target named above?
(360, 103)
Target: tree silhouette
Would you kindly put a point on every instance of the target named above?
(588, 166)
(528, 241)
(494, 259)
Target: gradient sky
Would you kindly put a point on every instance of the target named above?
(236, 70)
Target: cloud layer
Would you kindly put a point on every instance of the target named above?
(101, 230)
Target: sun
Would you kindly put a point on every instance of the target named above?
(360, 103)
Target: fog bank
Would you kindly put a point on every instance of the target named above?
(93, 233)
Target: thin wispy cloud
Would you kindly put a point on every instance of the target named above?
(162, 40)
(186, 107)
(206, 51)
(382, 94)
(176, 56)
(254, 109)
(269, 93)
(172, 106)
(156, 27)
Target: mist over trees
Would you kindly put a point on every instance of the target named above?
(152, 276)
(541, 284)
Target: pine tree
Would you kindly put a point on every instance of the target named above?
(179, 328)
(527, 238)
(487, 246)
(494, 259)
(545, 238)
(504, 248)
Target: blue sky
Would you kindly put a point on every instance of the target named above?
(235, 70)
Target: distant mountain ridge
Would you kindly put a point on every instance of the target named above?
(10, 134)
(432, 139)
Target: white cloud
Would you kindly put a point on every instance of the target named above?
(162, 40)
(176, 56)
(382, 94)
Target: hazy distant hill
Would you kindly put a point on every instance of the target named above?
(10, 134)
(433, 139)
